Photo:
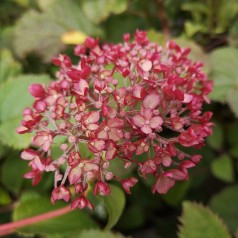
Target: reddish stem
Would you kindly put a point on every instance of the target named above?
(12, 226)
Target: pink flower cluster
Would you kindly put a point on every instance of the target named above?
(122, 101)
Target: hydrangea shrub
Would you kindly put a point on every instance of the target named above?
(122, 101)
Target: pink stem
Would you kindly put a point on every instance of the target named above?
(12, 226)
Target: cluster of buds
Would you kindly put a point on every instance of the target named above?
(122, 101)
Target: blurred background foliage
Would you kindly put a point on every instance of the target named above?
(33, 31)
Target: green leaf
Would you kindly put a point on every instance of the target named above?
(222, 168)
(199, 221)
(216, 140)
(4, 197)
(224, 72)
(8, 66)
(114, 205)
(232, 100)
(99, 234)
(46, 29)
(9, 137)
(192, 28)
(225, 205)
(99, 10)
(232, 132)
(16, 90)
(11, 111)
(12, 171)
(156, 37)
(132, 218)
(71, 222)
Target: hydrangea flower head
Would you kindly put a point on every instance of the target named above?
(122, 101)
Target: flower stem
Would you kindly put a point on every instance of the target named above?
(11, 227)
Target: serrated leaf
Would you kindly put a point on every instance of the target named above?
(8, 66)
(217, 138)
(12, 171)
(114, 205)
(98, 10)
(199, 221)
(225, 205)
(99, 234)
(224, 66)
(222, 168)
(44, 30)
(71, 222)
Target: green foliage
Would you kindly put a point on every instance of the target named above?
(114, 205)
(46, 29)
(99, 10)
(222, 168)
(199, 221)
(11, 112)
(4, 197)
(224, 72)
(209, 17)
(98, 234)
(8, 66)
(177, 193)
(216, 140)
(34, 205)
(12, 172)
(225, 205)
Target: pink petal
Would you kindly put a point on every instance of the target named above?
(146, 65)
(151, 101)
(138, 120)
(115, 123)
(81, 87)
(138, 91)
(166, 160)
(29, 154)
(156, 122)
(75, 174)
(179, 95)
(36, 90)
(115, 134)
(102, 135)
(146, 129)
(147, 114)
(176, 174)
(128, 183)
(92, 127)
(93, 117)
(187, 98)
(163, 184)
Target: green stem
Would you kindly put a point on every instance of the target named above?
(11, 227)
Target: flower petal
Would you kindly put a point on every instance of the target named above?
(156, 122)
(138, 120)
(151, 101)
(146, 129)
